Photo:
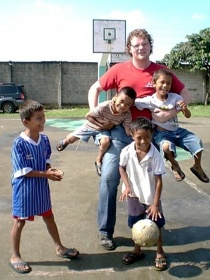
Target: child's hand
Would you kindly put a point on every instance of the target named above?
(107, 125)
(182, 105)
(124, 195)
(153, 212)
(55, 174)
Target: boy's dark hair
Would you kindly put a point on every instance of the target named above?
(129, 91)
(27, 109)
(162, 71)
(139, 33)
(141, 123)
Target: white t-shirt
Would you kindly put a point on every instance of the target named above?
(152, 102)
(142, 174)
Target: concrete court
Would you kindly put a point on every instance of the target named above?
(186, 207)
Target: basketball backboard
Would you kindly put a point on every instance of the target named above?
(109, 36)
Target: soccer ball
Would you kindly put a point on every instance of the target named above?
(145, 233)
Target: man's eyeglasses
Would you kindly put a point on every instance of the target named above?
(136, 47)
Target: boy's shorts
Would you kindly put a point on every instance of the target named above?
(31, 218)
(136, 212)
(85, 133)
(182, 138)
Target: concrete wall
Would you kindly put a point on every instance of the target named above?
(194, 81)
(52, 83)
(63, 84)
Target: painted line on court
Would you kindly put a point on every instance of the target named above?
(77, 272)
(66, 124)
(191, 184)
(198, 189)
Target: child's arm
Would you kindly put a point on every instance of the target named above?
(183, 106)
(102, 124)
(157, 114)
(124, 177)
(153, 210)
(128, 131)
(163, 115)
(50, 173)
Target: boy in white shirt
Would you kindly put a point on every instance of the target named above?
(141, 169)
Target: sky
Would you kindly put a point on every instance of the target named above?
(62, 30)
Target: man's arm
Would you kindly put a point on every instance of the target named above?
(185, 94)
(93, 94)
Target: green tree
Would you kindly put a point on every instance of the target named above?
(194, 53)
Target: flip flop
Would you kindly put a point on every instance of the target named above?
(180, 173)
(131, 258)
(70, 253)
(61, 145)
(98, 168)
(160, 264)
(201, 176)
(20, 267)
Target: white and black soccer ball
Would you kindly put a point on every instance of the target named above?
(145, 233)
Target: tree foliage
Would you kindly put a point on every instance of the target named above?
(195, 53)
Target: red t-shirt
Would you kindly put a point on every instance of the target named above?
(126, 74)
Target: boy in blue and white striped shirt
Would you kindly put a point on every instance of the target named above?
(30, 155)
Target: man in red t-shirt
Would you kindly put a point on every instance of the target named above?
(136, 73)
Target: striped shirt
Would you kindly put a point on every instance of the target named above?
(30, 195)
(104, 112)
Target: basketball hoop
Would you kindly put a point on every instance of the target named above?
(111, 33)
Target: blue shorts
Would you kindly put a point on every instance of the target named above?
(85, 133)
(136, 212)
(182, 138)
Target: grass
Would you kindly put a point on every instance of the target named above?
(80, 112)
(199, 110)
(67, 113)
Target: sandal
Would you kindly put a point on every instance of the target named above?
(179, 175)
(98, 168)
(20, 267)
(61, 145)
(201, 176)
(131, 258)
(70, 253)
(160, 264)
